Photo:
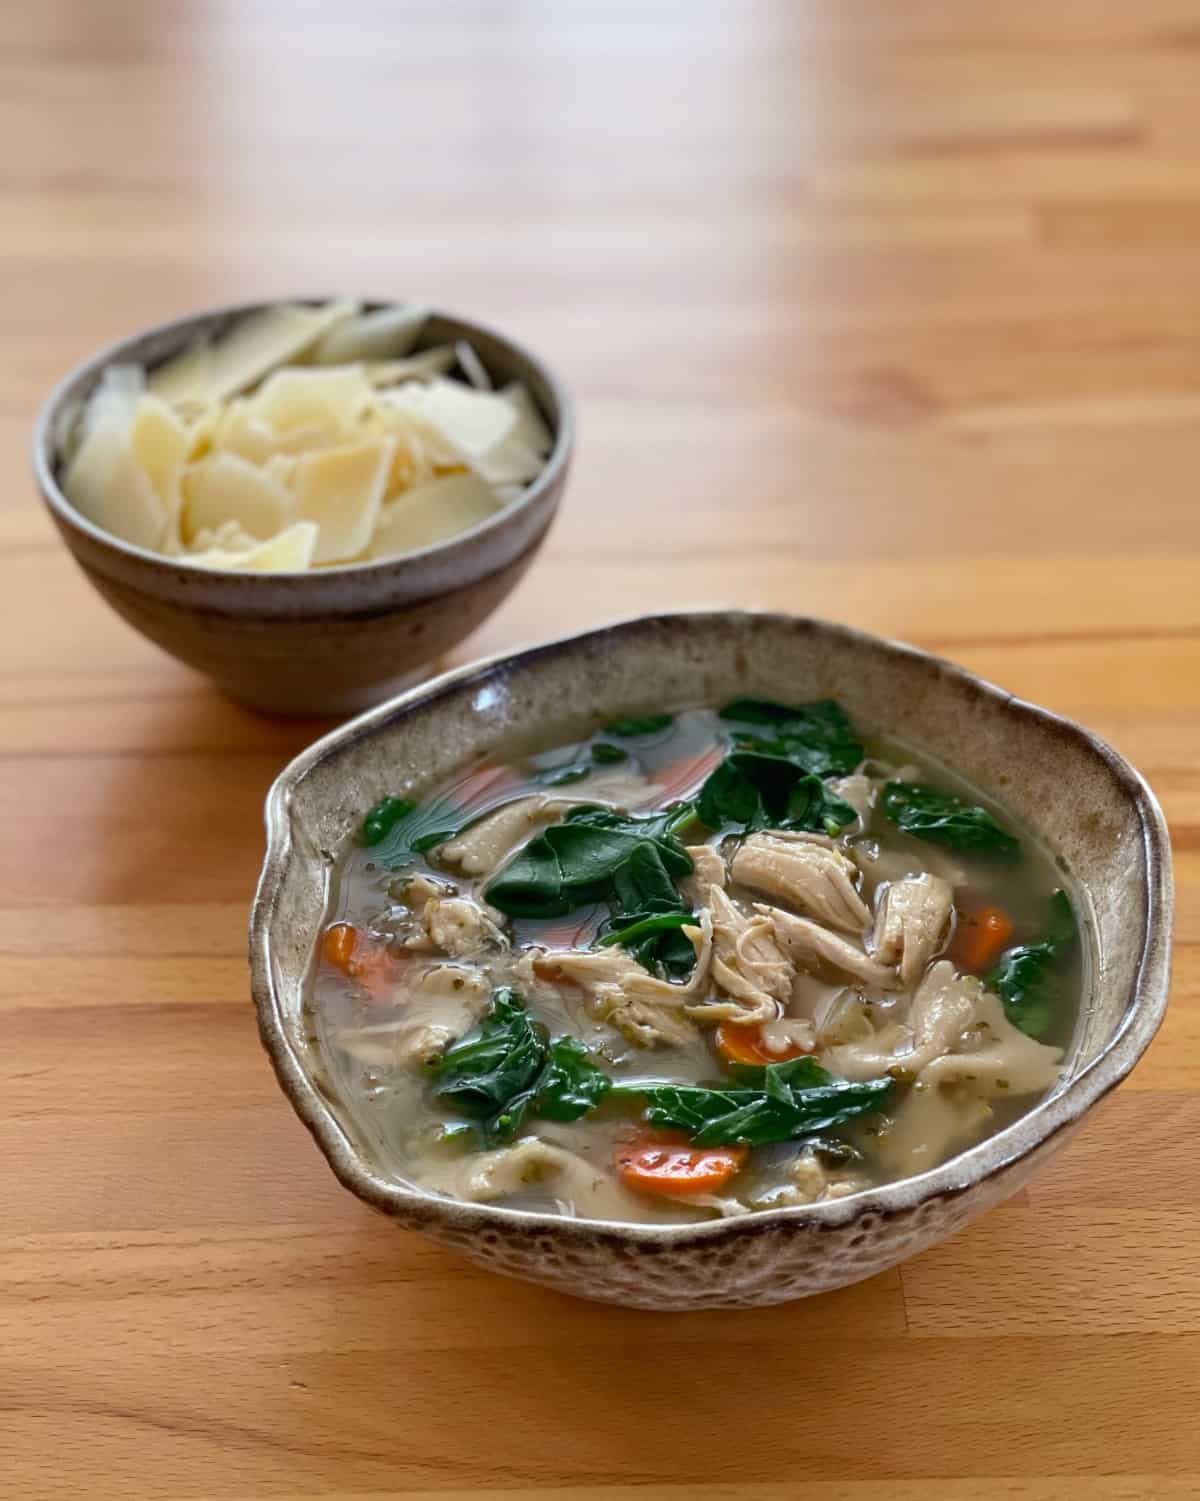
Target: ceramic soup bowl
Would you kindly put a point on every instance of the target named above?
(1090, 808)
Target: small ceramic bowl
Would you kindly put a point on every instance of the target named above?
(1088, 805)
(332, 640)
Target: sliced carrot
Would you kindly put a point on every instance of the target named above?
(361, 958)
(664, 1163)
(338, 945)
(980, 938)
(739, 1044)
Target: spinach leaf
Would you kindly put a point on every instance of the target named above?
(639, 724)
(580, 860)
(643, 927)
(1028, 978)
(485, 1076)
(750, 790)
(817, 736)
(940, 818)
(570, 1084)
(383, 818)
(506, 1071)
(608, 755)
(792, 1100)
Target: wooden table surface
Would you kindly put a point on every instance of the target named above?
(884, 311)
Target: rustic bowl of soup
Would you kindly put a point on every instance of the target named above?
(710, 959)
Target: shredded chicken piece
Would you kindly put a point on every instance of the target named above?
(811, 1183)
(805, 872)
(708, 872)
(419, 889)
(461, 928)
(640, 1006)
(942, 1009)
(857, 790)
(439, 1005)
(911, 923)
(489, 841)
(814, 947)
(747, 964)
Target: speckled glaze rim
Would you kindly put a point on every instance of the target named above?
(176, 332)
(1144, 1010)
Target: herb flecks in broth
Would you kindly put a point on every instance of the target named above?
(689, 964)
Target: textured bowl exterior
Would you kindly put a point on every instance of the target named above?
(337, 639)
(1088, 805)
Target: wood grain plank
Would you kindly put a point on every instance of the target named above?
(883, 312)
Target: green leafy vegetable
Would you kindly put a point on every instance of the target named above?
(657, 922)
(596, 855)
(750, 790)
(639, 724)
(791, 1100)
(384, 817)
(940, 818)
(1028, 979)
(506, 1071)
(817, 736)
(608, 755)
(486, 1076)
(570, 1084)
(579, 860)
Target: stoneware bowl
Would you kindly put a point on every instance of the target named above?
(336, 639)
(1090, 807)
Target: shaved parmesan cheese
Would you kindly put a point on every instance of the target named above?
(386, 334)
(104, 480)
(293, 400)
(473, 421)
(511, 462)
(291, 551)
(202, 430)
(186, 377)
(228, 537)
(223, 487)
(243, 356)
(431, 513)
(105, 483)
(530, 428)
(342, 491)
(423, 366)
(160, 444)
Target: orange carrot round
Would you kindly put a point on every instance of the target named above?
(741, 1044)
(338, 946)
(982, 934)
(664, 1163)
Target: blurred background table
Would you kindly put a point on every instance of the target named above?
(884, 311)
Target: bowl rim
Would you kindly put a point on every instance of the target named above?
(44, 463)
(1056, 1113)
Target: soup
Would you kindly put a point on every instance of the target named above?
(689, 965)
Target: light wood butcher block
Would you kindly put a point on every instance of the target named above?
(884, 311)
